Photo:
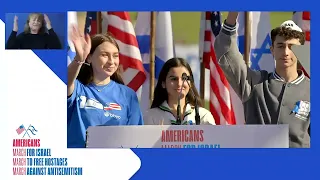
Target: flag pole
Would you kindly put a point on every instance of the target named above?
(201, 47)
(247, 42)
(152, 54)
(202, 80)
(99, 22)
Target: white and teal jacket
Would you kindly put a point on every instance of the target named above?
(163, 115)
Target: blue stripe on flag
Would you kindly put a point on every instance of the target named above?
(144, 43)
(256, 54)
(241, 40)
(144, 46)
(158, 66)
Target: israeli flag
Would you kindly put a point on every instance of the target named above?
(72, 19)
(164, 48)
(260, 56)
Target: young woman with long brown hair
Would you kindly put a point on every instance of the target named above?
(96, 92)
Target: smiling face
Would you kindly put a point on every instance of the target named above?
(105, 60)
(173, 83)
(170, 83)
(102, 62)
(35, 22)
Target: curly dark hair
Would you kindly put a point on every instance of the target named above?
(288, 34)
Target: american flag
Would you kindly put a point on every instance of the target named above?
(120, 26)
(302, 19)
(220, 98)
(91, 23)
(114, 106)
(20, 129)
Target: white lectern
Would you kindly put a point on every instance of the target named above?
(186, 136)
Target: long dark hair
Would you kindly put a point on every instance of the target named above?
(85, 75)
(161, 94)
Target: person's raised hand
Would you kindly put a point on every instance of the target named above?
(81, 43)
(15, 23)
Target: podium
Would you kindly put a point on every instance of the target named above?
(186, 136)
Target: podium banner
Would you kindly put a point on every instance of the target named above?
(186, 136)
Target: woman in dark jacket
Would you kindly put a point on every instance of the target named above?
(34, 35)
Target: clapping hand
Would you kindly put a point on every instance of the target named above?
(48, 22)
(82, 44)
(15, 23)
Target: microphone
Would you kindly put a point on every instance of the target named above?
(178, 121)
(197, 116)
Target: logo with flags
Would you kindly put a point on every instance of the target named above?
(112, 106)
(31, 130)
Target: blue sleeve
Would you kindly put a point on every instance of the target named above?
(135, 116)
(71, 99)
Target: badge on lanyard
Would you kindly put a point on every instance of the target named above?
(302, 110)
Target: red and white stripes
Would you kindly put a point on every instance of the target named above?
(120, 26)
(220, 99)
(302, 19)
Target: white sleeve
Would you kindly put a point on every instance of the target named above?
(207, 118)
(148, 117)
